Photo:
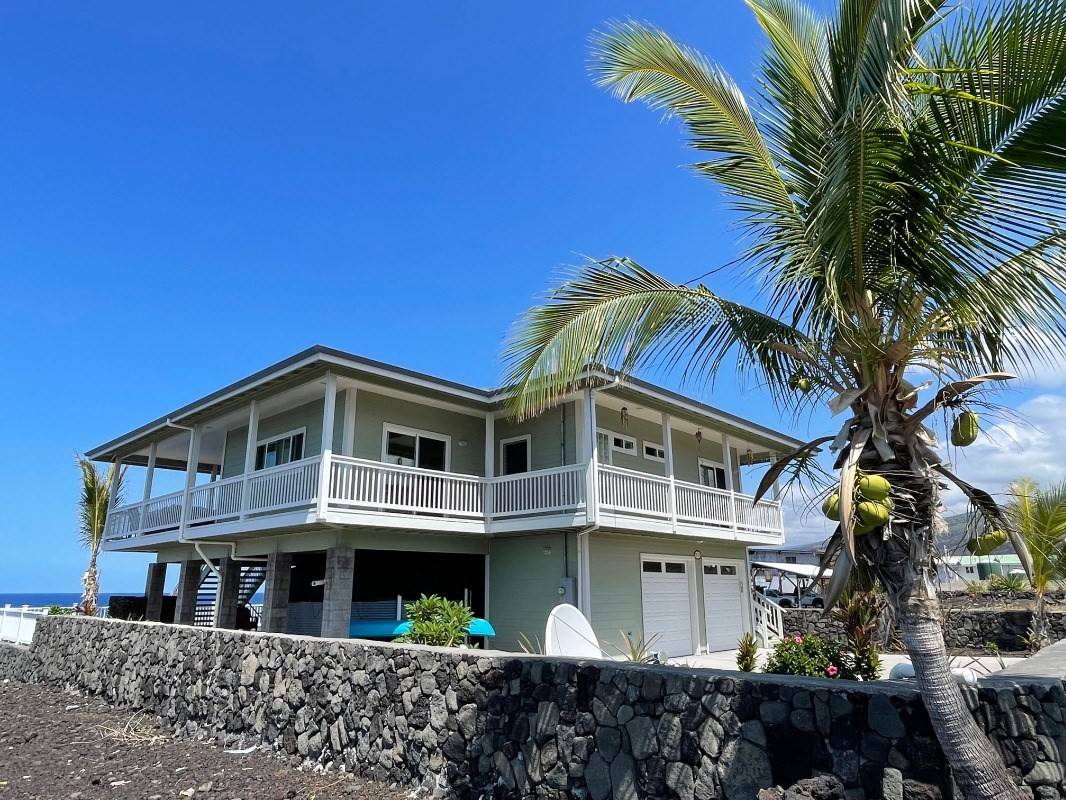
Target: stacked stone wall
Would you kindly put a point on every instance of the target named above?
(485, 724)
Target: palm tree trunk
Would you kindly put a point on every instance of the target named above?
(1040, 621)
(977, 768)
(90, 587)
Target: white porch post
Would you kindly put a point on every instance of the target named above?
(348, 428)
(668, 453)
(592, 492)
(192, 462)
(727, 464)
(250, 446)
(150, 475)
(490, 464)
(329, 411)
(584, 580)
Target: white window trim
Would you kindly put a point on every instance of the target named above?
(277, 438)
(388, 427)
(624, 437)
(529, 450)
(710, 462)
(645, 444)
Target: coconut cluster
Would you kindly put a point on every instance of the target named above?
(873, 504)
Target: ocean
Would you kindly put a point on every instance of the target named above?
(45, 599)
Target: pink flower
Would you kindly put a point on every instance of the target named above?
(831, 671)
(797, 639)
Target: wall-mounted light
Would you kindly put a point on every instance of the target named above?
(547, 550)
(462, 443)
(697, 554)
(699, 437)
(625, 417)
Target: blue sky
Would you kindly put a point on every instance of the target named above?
(192, 192)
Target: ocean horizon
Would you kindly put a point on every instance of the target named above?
(39, 599)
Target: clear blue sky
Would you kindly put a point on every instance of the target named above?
(191, 192)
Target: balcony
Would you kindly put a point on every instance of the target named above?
(344, 490)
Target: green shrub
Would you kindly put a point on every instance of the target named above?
(59, 611)
(747, 651)
(437, 621)
(860, 614)
(1009, 584)
(811, 656)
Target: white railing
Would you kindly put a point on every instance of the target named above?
(17, 623)
(358, 483)
(768, 619)
(633, 492)
(355, 483)
(703, 504)
(216, 500)
(543, 491)
(283, 487)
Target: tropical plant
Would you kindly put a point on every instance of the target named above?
(638, 649)
(59, 611)
(532, 646)
(97, 490)
(1039, 516)
(860, 614)
(1007, 584)
(438, 621)
(747, 652)
(809, 655)
(900, 181)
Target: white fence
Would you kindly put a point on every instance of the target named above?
(17, 623)
(358, 483)
(540, 492)
(768, 620)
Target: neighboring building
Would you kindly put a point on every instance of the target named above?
(770, 565)
(344, 487)
(956, 567)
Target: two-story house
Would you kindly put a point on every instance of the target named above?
(344, 487)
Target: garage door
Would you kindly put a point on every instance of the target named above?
(667, 603)
(723, 596)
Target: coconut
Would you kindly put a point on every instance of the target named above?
(873, 487)
(986, 544)
(861, 530)
(965, 429)
(870, 512)
(800, 382)
(831, 507)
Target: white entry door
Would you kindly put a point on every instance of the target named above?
(666, 584)
(723, 598)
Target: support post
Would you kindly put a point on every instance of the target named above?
(668, 453)
(228, 594)
(153, 591)
(112, 497)
(584, 576)
(275, 616)
(188, 589)
(592, 489)
(490, 465)
(329, 411)
(149, 476)
(191, 464)
(250, 447)
(337, 592)
(727, 465)
(348, 428)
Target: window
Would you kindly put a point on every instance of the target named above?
(514, 455)
(279, 450)
(651, 566)
(675, 567)
(969, 570)
(728, 569)
(712, 474)
(413, 448)
(790, 559)
(623, 444)
(710, 569)
(654, 452)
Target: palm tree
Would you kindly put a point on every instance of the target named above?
(900, 180)
(96, 493)
(1039, 516)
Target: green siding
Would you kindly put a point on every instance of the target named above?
(524, 585)
(307, 416)
(550, 433)
(615, 579)
(372, 411)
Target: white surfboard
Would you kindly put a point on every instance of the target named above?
(568, 633)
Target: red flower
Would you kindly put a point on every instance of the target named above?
(797, 639)
(831, 671)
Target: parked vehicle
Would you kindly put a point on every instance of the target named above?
(812, 600)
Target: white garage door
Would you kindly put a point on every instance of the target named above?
(723, 597)
(667, 602)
